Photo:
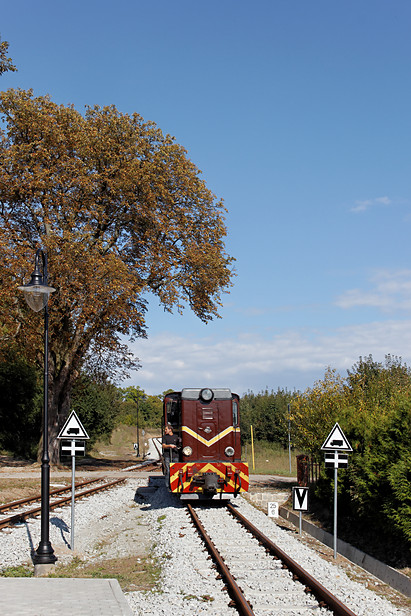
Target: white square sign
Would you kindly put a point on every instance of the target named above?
(272, 510)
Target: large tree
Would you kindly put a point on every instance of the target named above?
(122, 212)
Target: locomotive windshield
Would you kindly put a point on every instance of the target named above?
(193, 393)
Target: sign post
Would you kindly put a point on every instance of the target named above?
(335, 443)
(289, 436)
(73, 427)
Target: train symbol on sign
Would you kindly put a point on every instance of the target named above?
(336, 443)
(73, 431)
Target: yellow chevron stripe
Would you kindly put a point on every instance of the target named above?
(209, 467)
(203, 440)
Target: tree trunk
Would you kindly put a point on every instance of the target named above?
(58, 411)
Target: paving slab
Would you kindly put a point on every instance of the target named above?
(62, 597)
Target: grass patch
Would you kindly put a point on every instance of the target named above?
(204, 598)
(132, 573)
(120, 443)
(20, 571)
(270, 459)
(15, 489)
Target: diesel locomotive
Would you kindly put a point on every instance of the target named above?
(207, 462)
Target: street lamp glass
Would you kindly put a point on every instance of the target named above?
(36, 295)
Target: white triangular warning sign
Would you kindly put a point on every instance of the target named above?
(336, 441)
(73, 428)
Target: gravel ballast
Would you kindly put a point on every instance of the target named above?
(132, 520)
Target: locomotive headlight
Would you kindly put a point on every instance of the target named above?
(206, 395)
(229, 451)
(187, 451)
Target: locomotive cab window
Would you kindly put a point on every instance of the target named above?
(235, 414)
(173, 412)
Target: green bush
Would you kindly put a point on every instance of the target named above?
(97, 404)
(21, 404)
(373, 407)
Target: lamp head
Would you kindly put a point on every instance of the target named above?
(37, 292)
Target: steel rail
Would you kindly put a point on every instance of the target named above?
(312, 584)
(31, 499)
(138, 468)
(24, 515)
(237, 595)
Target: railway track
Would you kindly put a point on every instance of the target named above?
(24, 513)
(260, 578)
(22, 504)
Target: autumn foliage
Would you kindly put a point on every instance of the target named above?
(121, 211)
(6, 63)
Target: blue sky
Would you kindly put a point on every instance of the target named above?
(299, 115)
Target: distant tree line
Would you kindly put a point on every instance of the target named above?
(268, 413)
(137, 405)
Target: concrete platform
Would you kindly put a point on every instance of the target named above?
(62, 597)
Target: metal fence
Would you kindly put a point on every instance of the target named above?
(308, 470)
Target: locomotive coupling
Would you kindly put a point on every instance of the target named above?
(210, 482)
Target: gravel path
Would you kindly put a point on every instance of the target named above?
(133, 520)
(106, 514)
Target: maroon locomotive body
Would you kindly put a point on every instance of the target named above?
(208, 461)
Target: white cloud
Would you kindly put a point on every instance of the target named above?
(292, 359)
(366, 204)
(391, 292)
(383, 200)
(361, 206)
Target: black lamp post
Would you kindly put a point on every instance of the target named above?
(138, 432)
(36, 293)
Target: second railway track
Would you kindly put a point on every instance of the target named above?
(25, 511)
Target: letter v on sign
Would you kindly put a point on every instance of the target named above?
(300, 499)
